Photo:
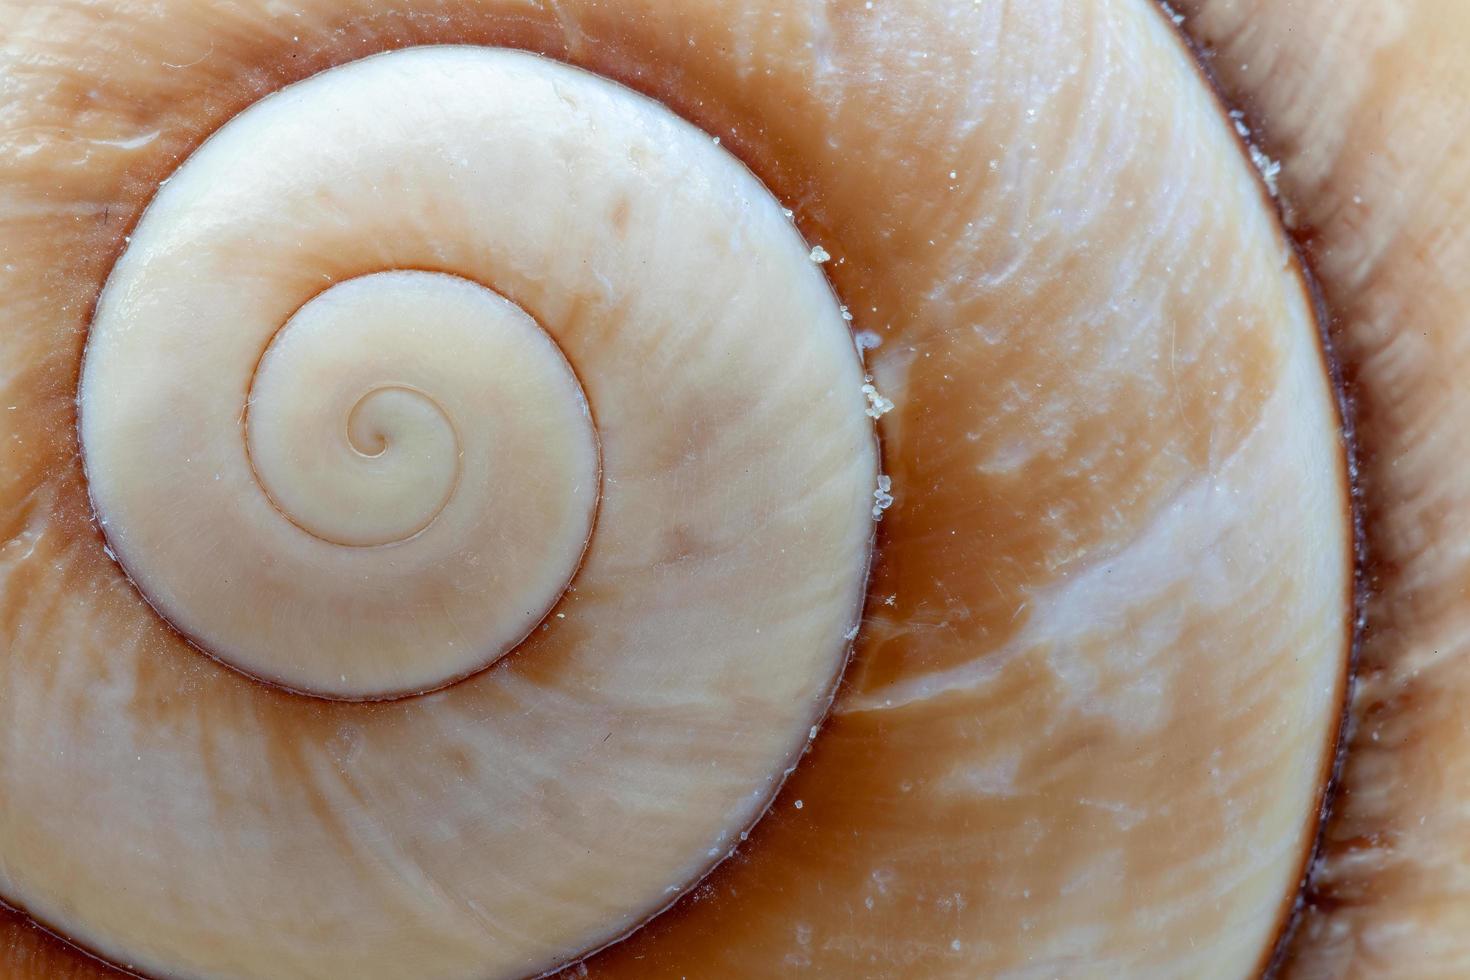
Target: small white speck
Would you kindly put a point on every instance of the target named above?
(798, 804)
(882, 500)
(1270, 169)
(819, 254)
(878, 406)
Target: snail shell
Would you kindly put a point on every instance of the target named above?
(1094, 696)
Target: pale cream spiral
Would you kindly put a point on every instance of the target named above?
(333, 432)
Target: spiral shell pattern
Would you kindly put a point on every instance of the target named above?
(380, 486)
(441, 527)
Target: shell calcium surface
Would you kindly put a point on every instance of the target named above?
(441, 494)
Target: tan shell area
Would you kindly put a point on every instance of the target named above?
(1094, 699)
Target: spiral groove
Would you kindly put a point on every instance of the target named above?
(382, 486)
(348, 431)
(362, 462)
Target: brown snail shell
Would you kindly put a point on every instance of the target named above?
(1095, 695)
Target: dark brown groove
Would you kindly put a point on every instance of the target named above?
(1289, 917)
(32, 921)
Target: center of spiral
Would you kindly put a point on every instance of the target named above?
(345, 446)
(412, 491)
